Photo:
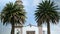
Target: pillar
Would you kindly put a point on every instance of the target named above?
(40, 30)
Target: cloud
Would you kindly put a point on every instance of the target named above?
(30, 2)
(25, 2)
(55, 29)
(36, 2)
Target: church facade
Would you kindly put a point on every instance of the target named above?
(30, 29)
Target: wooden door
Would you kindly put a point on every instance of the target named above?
(30, 32)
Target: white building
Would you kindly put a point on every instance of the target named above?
(30, 29)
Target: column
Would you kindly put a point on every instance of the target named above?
(40, 30)
(21, 30)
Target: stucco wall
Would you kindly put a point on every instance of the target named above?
(27, 28)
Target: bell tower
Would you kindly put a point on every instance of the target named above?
(20, 3)
(18, 27)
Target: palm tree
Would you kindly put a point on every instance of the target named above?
(47, 13)
(12, 14)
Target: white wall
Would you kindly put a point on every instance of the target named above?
(28, 28)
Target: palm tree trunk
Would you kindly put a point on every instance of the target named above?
(48, 28)
(12, 30)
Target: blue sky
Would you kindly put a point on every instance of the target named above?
(30, 7)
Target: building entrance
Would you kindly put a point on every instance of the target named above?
(30, 32)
